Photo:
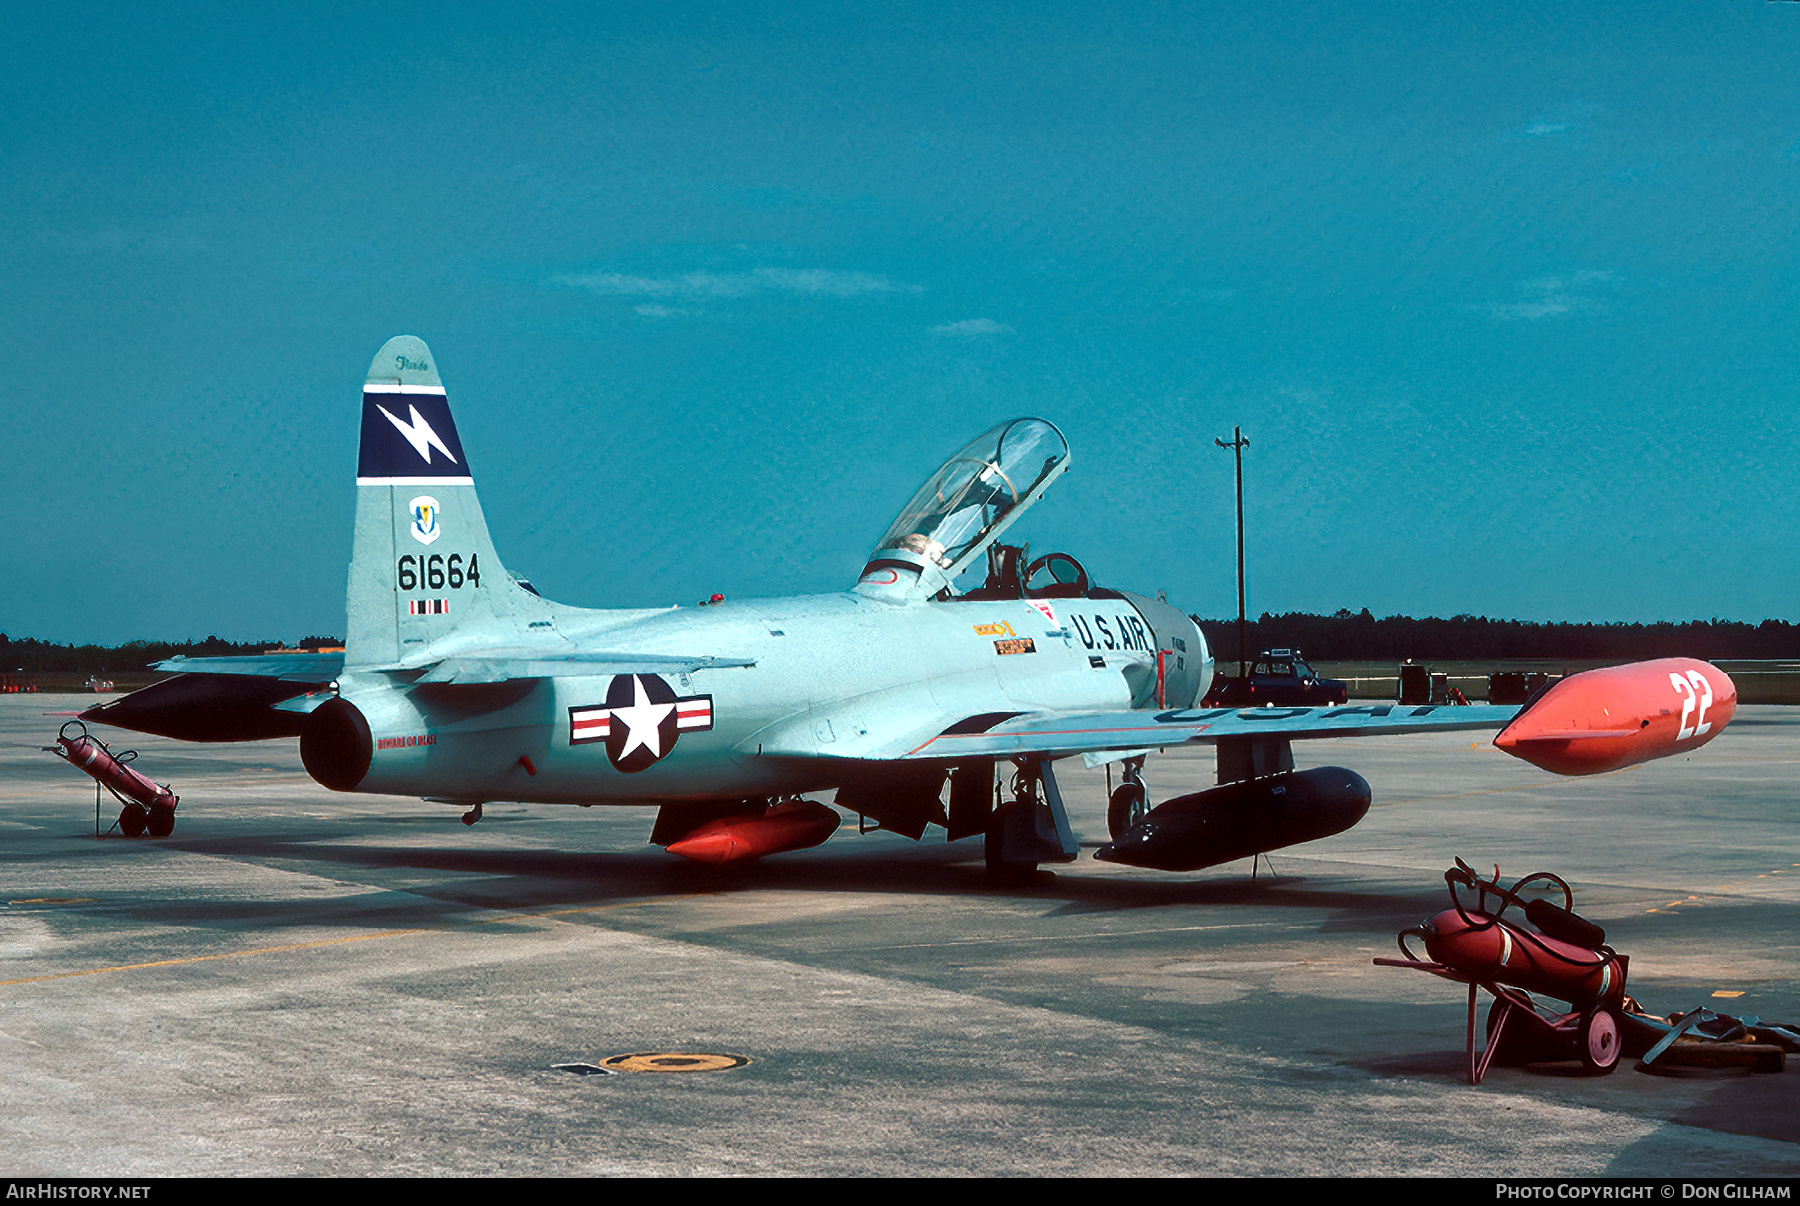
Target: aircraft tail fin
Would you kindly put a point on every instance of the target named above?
(423, 565)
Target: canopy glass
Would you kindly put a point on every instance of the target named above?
(979, 491)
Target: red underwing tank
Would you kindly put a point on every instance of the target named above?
(1601, 720)
(789, 825)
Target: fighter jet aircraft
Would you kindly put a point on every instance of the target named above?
(458, 683)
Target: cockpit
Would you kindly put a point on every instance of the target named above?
(959, 514)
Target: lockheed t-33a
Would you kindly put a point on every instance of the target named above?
(459, 684)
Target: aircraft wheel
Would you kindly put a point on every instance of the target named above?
(1600, 1040)
(133, 821)
(1125, 809)
(161, 822)
(999, 868)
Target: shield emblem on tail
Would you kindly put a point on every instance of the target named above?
(425, 519)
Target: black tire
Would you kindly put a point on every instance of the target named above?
(161, 822)
(1516, 1046)
(1124, 809)
(993, 845)
(1601, 1040)
(133, 821)
(994, 848)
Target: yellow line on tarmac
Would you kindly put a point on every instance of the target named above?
(552, 915)
(1173, 929)
(261, 950)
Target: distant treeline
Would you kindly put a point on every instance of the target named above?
(41, 657)
(1359, 637)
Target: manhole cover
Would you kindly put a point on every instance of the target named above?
(673, 1061)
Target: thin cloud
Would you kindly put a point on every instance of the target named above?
(973, 327)
(809, 282)
(1555, 296)
(1550, 307)
(1575, 280)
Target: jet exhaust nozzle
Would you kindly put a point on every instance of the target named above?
(1240, 819)
(336, 746)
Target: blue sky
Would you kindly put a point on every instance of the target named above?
(1503, 296)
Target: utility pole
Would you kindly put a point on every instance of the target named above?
(1237, 445)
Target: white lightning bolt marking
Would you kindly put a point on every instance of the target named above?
(418, 433)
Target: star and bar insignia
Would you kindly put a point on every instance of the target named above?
(640, 720)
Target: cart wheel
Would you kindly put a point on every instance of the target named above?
(1599, 1040)
(161, 822)
(1125, 809)
(133, 821)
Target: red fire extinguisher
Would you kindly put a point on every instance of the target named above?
(148, 807)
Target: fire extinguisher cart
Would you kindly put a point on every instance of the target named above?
(146, 807)
(1549, 950)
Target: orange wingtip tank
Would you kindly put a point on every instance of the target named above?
(790, 825)
(1601, 720)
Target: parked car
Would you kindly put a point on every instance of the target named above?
(1278, 678)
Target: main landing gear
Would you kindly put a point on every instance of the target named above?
(1129, 801)
(1030, 828)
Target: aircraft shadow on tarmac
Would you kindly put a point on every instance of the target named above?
(520, 879)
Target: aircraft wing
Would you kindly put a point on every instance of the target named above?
(1064, 733)
(1585, 724)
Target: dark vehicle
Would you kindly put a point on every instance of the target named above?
(1278, 678)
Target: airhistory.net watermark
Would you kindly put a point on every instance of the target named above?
(55, 1191)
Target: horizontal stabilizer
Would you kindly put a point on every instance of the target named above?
(491, 668)
(488, 667)
(293, 667)
(200, 706)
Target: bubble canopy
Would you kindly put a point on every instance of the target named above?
(974, 496)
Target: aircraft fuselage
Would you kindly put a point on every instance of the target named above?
(835, 678)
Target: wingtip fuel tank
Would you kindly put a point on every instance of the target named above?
(1601, 720)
